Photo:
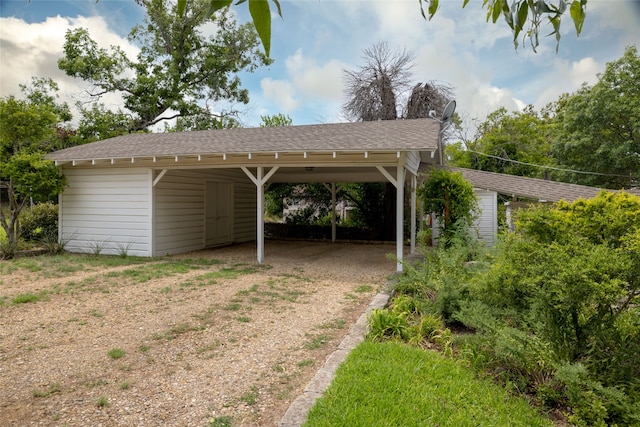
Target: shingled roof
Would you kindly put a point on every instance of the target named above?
(531, 188)
(387, 135)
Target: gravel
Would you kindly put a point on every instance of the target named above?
(241, 349)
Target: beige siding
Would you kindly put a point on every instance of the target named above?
(106, 210)
(179, 208)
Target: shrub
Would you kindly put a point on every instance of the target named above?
(40, 223)
(451, 197)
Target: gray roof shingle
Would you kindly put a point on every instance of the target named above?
(532, 188)
(388, 135)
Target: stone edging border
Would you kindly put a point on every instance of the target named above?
(297, 413)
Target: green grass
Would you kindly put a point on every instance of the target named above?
(30, 297)
(116, 353)
(393, 384)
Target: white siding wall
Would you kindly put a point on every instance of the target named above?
(179, 208)
(487, 223)
(106, 209)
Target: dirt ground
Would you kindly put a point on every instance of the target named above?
(228, 343)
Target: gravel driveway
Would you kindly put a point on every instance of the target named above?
(213, 344)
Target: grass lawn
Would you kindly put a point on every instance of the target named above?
(393, 384)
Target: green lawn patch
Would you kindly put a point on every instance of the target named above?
(393, 384)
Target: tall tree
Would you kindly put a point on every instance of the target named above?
(372, 90)
(178, 68)
(598, 127)
(509, 142)
(29, 128)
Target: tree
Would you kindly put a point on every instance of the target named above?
(178, 68)
(275, 120)
(510, 143)
(598, 127)
(28, 129)
(377, 91)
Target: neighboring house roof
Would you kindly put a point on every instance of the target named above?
(387, 135)
(532, 188)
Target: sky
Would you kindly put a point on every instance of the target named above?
(316, 40)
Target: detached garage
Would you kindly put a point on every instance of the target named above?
(168, 193)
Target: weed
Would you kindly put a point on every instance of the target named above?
(251, 397)
(143, 348)
(96, 247)
(333, 324)
(165, 290)
(317, 342)
(123, 249)
(363, 288)
(116, 353)
(96, 383)
(306, 362)
(125, 385)
(244, 319)
(30, 297)
(175, 331)
(102, 402)
(51, 390)
(96, 313)
(233, 306)
(224, 421)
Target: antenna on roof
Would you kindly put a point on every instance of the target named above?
(447, 114)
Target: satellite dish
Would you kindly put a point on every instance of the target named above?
(448, 111)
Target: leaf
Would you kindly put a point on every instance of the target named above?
(433, 8)
(277, 3)
(215, 5)
(496, 9)
(577, 14)
(523, 12)
(261, 16)
(182, 5)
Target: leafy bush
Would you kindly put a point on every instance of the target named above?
(40, 223)
(451, 197)
(555, 306)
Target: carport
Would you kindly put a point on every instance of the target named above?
(163, 193)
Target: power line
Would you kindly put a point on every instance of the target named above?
(549, 167)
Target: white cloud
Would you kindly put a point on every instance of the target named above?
(33, 49)
(281, 92)
(306, 82)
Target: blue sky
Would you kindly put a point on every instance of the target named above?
(318, 39)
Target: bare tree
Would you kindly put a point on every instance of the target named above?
(372, 91)
(427, 97)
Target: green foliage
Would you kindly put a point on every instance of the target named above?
(28, 129)
(509, 142)
(451, 198)
(116, 353)
(275, 120)
(598, 127)
(525, 17)
(554, 306)
(178, 69)
(40, 223)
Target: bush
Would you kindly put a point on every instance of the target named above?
(40, 223)
(556, 311)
